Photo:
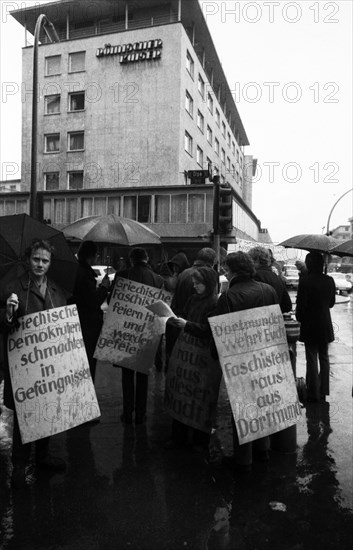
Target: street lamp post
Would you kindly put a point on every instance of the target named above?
(332, 209)
(51, 33)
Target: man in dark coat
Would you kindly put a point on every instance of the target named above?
(316, 295)
(245, 293)
(89, 299)
(265, 274)
(31, 292)
(135, 399)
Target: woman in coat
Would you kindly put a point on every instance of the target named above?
(316, 295)
(195, 322)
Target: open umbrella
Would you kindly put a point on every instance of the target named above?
(17, 233)
(343, 249)
(112, 229)
(311, 243)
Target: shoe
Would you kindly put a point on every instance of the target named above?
(126, 419)
(140, 419)
(52, 463)
(229, 463)
(261, 456)
(18, 477)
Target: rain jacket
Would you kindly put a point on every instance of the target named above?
(266, 275)
(245, 293)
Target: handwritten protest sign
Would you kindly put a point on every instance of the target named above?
(192, 383)
(254, 356)
(51, 381)
(131, 333)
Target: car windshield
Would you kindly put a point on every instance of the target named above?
(338, 275)
(292, 273)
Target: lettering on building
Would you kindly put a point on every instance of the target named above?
(150, 50)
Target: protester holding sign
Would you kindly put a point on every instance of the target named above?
(195, 322)
(89, 299)
(135, 384)
(30, 293)
(245, 293)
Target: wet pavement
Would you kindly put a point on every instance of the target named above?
(123, 490)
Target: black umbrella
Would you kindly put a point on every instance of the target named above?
(311, 243)
(343, 249)
(17, 233)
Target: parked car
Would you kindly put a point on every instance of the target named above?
(223, 283)
(102, 270)
(341, 282)
(291, 276)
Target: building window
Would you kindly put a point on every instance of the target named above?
(201, 86)
(162, 209)
(216, 146)
(75, 179)
(223, 156)
(52, 104)
(233, 170)
(144, 209)
(178, 208)
(237, 176)
(241, 182)
(77, 101)
(52, 143)
(200, 121)
(228, 164)
(209, 164)
(210, 103)
(199, 156)
(223, 130)
(218, 118)
(76, 141)
(209, 135)
(77, 62)
(233, 148)
(241, 161)
(52, 65)
(190, 64)
(223, 180)
(188, 143)
(237, 155)
(196, 208)
(189, 103)
(51, 181)
(229, 140)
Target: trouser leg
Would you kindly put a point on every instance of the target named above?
(128, 385)
(312, 371)
(141, 394)
(324, 370)
(20, 451)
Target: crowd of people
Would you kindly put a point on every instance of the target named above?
(254, 281)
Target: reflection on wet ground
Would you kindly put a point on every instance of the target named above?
(123, 490)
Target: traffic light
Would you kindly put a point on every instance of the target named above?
(222, 208)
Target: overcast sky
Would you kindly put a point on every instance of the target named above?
(289, 66)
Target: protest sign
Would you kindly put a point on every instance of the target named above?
(51, 381)
(254, 356)
(131, 333)
(192, 383)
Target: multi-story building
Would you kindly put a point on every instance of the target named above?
(131, 99)
(342, 232)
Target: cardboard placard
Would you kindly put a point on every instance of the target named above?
(254, 357)
(51, 381)
(131, 333)
(192, 383)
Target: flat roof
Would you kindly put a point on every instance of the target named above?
(191, 15)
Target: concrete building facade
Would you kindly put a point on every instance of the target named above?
(131, 99)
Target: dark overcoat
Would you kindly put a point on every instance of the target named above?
(316, 295)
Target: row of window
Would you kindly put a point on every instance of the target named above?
(179, 208)
(75, 142)
(76, 63)
(228, 167)
(74, 180)
(190, 66)
(52, 103)
(200, 119)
